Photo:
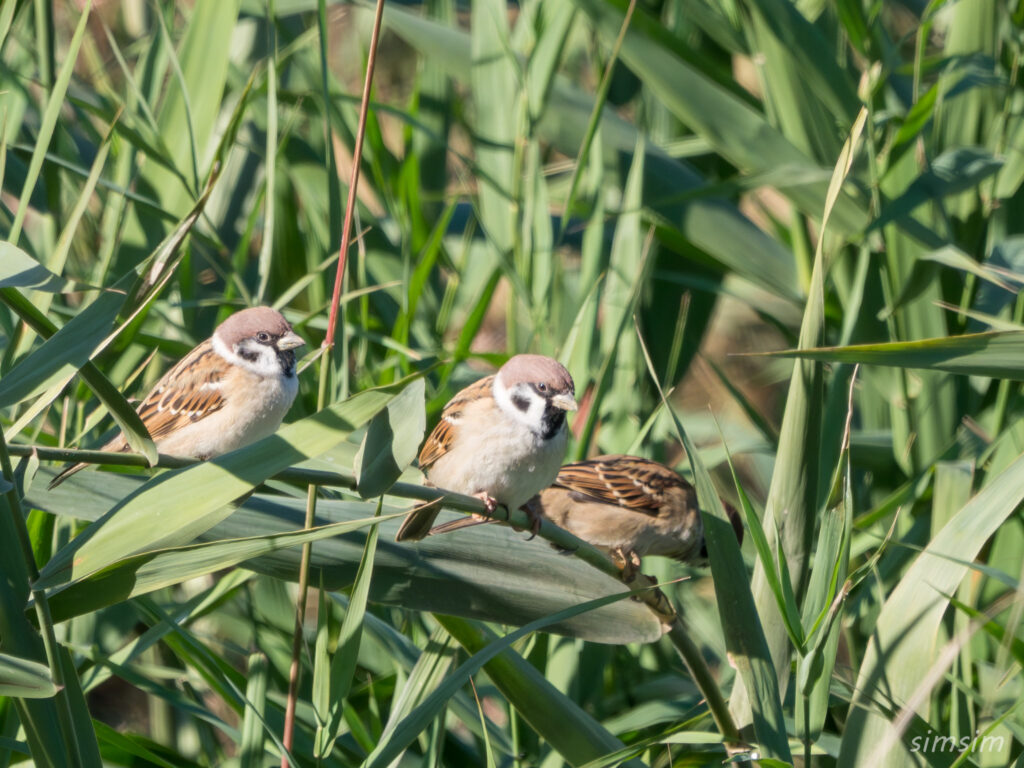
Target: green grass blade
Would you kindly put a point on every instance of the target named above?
(793, 493)
(343, 665)
(741, 624)
(25, 679)
(737, 131)
(902, 645)
(143, 573)
(508, 580)
(997, 354)
(19, 270)
(251, 754)
(58, 359)
(494, 86)
(391, 442)
(431, 666)
(391, 746)
(191, 106)
(54, 103)
(776, 574)
(563, 724)
(823, 603)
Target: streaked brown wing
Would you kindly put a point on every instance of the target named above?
(438, 444)
(440, 440)
(187, 393)
(628, 481)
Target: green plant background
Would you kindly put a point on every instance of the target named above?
(640, 200)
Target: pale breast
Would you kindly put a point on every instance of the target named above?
(500, 458)
(255, 410)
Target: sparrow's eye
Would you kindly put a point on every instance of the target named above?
(263, 337)
(542, 387)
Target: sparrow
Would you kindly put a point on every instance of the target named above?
(626, 506)
(629, 507)
(230, 391)
(501, 439)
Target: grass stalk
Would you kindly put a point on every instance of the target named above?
(50, 644)
(705, 682)
(595, 118)
(325, 367)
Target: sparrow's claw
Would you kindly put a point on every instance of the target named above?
(489, 501)
(535, 520)
(627, 561)
(655, 599)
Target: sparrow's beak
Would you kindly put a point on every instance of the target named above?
(290, 340)
(565, 402)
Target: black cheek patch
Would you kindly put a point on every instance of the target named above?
(247, 354)
(520, 402)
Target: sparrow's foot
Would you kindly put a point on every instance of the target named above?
(659, 603)
(535, 519)
(655, 598)
(489, 501)
(627, 561)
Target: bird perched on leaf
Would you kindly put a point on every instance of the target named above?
(230, 391)
(627, 506)
(501, 439)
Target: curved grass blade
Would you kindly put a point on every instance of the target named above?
(391, 441)
(741, 624)
(139, 574)
(19, 270)
(999, 354)
(54, 104)
(25, 679)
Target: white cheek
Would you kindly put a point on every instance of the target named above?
(533, 417)
(265, 364)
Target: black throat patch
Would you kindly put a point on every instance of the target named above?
(286, 359)
(554, 418)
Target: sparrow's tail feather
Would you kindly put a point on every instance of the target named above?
(416, 525)
(117, 445)
(462, 522)
(64, 474)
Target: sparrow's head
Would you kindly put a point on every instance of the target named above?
(536, 391)
(259, 339)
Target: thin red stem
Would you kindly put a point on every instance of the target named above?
(328, 344)
(353, 184)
